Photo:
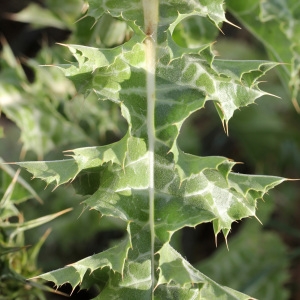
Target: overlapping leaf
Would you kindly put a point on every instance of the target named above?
(16, 261)
(277, 26)
(263, 271)
(188, 190)
(40, 108)
(28, 104)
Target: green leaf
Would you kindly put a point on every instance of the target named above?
(145, 179)
(21, 191)
(20, 227)
(113, 258)
(33, 107)
(37, 16)
(263, 271)
(60, 172)
(178, 279)
(276, 24)
(168, 10)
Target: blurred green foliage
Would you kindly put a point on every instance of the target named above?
(18, 261)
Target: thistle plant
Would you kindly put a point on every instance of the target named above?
(18, 261)
(145, 179)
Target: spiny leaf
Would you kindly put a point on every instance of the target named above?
(277, 27)
(258, 264)
(231, 84)
(60, 172)
(74, 273)
(178, 279)
(30, 105)
(52, 171)
(168, 10)
(145, 179)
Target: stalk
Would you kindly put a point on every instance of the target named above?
(150, 8)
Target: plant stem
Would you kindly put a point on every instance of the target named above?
(150, 8)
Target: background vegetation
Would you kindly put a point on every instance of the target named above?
(42, 115)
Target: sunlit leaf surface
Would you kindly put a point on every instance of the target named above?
(145, 179)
